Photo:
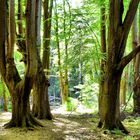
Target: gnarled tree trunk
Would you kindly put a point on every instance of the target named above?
(19, 88)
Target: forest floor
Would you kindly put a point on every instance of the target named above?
(69, 126)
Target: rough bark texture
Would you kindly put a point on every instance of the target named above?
(117, 36)
(47, 6)
(103, 50)
(136, 88)
(19, 89)
(41, 107)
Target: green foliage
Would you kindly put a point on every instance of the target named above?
(129, 138)
(117, 132)
(19, 65)
(89, 95)
(71, 104)
(1, 88)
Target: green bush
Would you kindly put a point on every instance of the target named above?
(71, 104)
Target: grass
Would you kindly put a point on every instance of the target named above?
(70, 126)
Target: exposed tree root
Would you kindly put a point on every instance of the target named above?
(29, 122)
(10, 124)
(118, 125)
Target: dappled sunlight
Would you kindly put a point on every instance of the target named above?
(66, 126)
(5, 115)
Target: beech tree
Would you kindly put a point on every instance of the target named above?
(115, 62)
(19, 88)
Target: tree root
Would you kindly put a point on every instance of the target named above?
(10, 124)
(29, 122)
(118, 125)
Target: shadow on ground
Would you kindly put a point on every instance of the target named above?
(65, 126)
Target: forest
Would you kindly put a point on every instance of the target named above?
(69, 69)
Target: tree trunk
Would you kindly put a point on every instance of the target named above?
(19, 89)
(61, 76)
(123, 89)
(136, 88)
(21, 116)
(4, 97)
(111, 110)
(63, 69)
(66, 90)
(41, 107)
(103, 50)
(117, 37)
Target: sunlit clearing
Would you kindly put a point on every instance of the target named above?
(76, 3)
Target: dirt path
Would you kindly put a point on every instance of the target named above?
(63, 127)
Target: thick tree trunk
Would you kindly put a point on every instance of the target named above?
(41, 107)
(117, 37)
(20, 89)
(21, 116)
(110, 108)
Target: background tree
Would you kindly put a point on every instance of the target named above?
(60, 66)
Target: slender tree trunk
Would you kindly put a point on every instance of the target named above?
(63, 72)
(41, 107)
(136, 88)
(103, 50)
(61, 77)
(65, 94)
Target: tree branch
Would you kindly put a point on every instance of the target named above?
(130, 15)
(125, 60)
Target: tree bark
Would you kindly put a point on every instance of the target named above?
(19, 89)
(136, 88)
(41, 107)
(117, 36)
(4, 97)
(103, 50)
